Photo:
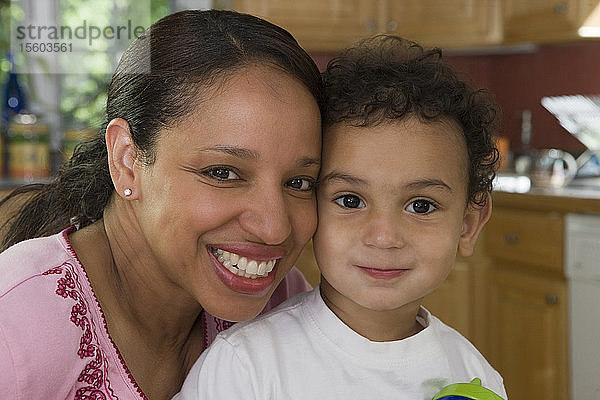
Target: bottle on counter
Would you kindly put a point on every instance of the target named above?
(28, 155)
(524, 161)
(13, 102)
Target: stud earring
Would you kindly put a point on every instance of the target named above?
(127, 192)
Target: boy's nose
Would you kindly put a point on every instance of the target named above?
(267, 217)
(382, 230)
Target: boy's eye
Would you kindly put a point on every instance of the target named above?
(301, 184)
(349, 201)
(421, 207)
(221, 173)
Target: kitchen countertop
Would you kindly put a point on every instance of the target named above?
(569, 199)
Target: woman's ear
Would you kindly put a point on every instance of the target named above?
(473, 221)
(121, 158)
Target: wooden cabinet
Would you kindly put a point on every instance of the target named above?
(452, 301)
(528, 332)
(332, 25)
(448, 23)
(528, 302)
(318, 25)
(528, 236)
(544, 20)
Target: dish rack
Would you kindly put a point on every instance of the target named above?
(580, 116)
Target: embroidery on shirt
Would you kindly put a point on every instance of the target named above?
(222, 325)
(95, 374)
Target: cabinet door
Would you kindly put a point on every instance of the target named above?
(447, 23)
(529, 237)
(544, 20)
(318, 25)
(528, 320)
(451, 302)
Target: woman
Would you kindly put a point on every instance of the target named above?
(196, 198)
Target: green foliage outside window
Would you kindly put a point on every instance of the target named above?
(82, 96)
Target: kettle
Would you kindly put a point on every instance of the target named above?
(552, 168)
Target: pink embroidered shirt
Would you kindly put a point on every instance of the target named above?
(54, 343)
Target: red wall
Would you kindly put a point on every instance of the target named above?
(519, 81)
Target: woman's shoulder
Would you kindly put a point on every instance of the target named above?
(24, 261)
(53, 337)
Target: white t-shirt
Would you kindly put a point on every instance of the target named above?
(301, 350)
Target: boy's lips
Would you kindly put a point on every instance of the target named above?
(248, 269)
(380, 273)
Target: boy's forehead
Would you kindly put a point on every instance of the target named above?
(407, 128)
(410, 144)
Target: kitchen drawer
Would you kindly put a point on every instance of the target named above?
(527, 237)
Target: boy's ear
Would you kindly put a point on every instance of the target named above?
(121, 157)
(473, 222)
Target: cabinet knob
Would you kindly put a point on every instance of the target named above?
(552, 299)
(560, 8)
(511, 238)
(392, 26)
(371, 26)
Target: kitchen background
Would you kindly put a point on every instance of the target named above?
(518, 67)
(515, 298)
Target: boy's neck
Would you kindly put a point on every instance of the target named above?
(377, 326)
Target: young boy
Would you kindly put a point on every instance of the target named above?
(408, 160)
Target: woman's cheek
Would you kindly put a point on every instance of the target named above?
(306, 222)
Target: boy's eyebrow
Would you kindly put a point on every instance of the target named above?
(414, 185)
(427, 183)
(339, 176)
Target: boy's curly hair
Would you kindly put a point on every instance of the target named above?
(389, 78)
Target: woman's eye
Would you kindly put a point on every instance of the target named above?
(349, 201)
(221, 173)
(421, 207)
(301, 184)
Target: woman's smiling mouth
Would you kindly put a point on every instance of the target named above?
(243, 266)
(250, 270)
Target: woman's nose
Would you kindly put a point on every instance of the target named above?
(267, 217)
(382, 230)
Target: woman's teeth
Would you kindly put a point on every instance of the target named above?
(242, 266)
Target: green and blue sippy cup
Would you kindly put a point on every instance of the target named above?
(467, 391)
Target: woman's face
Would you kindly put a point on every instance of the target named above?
(228, 204)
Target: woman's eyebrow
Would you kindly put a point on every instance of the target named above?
(239, 152)
(247, 154)
(307, 162)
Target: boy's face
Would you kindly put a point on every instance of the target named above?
(392, 207)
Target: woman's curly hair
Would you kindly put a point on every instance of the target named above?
(389, 78)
